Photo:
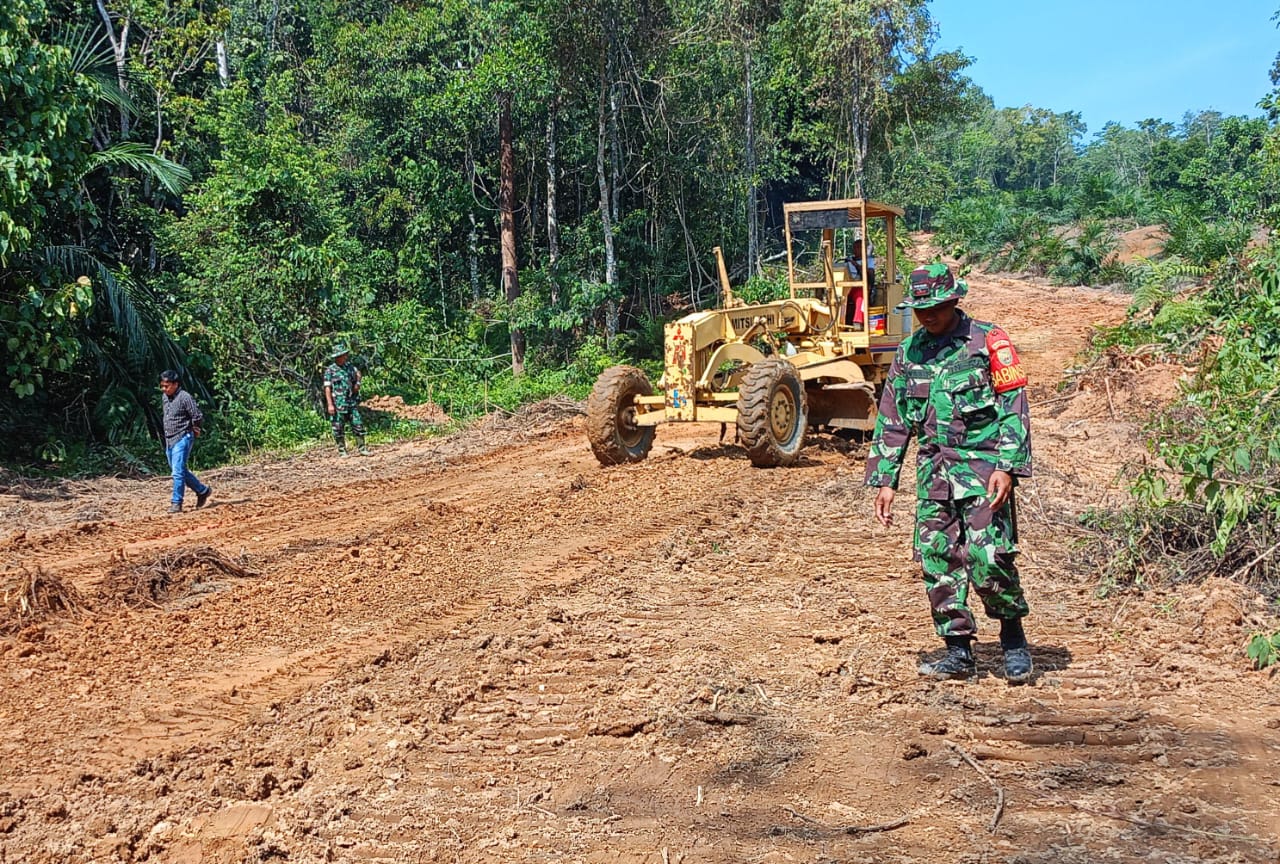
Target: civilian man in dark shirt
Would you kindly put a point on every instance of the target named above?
(182, 422)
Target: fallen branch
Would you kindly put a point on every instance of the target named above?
(852, 829)
(995, 817)
(726, 718)
(1042, 402)
(1209, 478)
(1244, 571)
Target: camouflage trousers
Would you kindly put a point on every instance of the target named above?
(962, 543)
(341, 418)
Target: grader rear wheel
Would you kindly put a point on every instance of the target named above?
(772, 413)
(611, 416)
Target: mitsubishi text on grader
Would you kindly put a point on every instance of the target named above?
(810, 361)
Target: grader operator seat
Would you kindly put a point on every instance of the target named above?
(849, 287)
(843, 236)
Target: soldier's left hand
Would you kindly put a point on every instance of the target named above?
(998, 488)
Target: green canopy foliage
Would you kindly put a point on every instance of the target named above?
(44, 121)
(226, 187)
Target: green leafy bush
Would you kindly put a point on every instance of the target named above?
(996, 228)
(1202, 242)
(273, 416)
(1264, 648)
(765, 288)
(1154, 283)
(979, 226)
(1207, 496)
(1085, 260)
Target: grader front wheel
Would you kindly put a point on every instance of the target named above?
(771, 413)
(611, 416)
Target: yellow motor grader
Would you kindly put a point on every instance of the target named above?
(813, 360)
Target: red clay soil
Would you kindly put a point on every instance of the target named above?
(489, 648)
(1146, 241)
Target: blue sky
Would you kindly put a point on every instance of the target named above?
(1121, 60)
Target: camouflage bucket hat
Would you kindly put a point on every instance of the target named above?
(930, 285)
(338, 351)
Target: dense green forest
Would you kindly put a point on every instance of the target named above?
(492, 201)
(229, 187)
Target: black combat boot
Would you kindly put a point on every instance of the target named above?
(1017, 659)
(957, 663)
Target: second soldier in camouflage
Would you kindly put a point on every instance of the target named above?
(342, 399)
(956, 385)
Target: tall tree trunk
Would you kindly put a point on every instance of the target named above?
(553, 226)
(120, 50)
(614, 64)
(611, 313)
(271, 24)
(506, 210)
(615, 153)
(753, 206)
(860, 134)
(861, 110)
(224, 66)
(473, 254)
(473, 233)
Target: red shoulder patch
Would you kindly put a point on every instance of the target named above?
(1006, 369)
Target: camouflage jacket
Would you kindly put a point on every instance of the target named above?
(963, 396)
(344, 381)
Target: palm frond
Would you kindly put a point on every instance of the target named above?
(141, 346)
(92, 57)
(169, 174)
(74, 261)
(1156, 282)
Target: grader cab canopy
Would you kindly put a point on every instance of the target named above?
(812, 361)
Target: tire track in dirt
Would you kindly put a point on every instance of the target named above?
(524, 657)
(696, 698)
(490, 558)
(270, 521)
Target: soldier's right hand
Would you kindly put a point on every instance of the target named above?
(884, 505)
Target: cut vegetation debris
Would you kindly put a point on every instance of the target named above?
(31, 596)
(170, 576)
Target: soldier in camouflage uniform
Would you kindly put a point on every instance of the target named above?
(342, 398)
(957, 386)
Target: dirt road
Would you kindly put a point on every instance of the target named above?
(489, 648)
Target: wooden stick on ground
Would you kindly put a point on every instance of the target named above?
(852, 829)
(1054, 399)
(973, 763)
(1244, 571)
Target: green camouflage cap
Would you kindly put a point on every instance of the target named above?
(930, 285)
(339, 350)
